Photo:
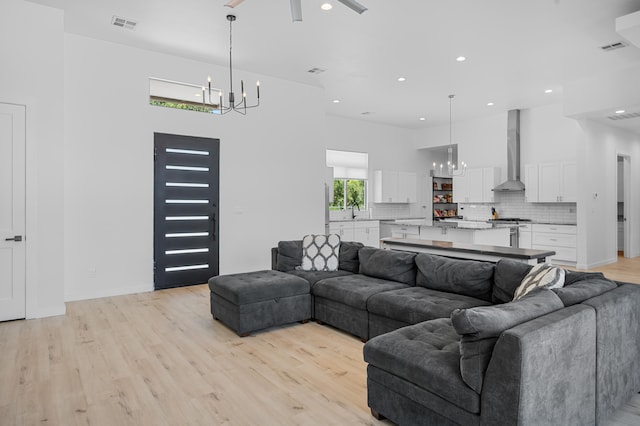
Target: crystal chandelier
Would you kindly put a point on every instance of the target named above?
(452, 169)
(216, 95)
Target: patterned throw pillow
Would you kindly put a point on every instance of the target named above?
(542, 275)
(320, 252)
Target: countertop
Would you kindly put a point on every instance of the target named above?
(446, 246)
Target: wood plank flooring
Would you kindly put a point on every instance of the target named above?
(160, 359)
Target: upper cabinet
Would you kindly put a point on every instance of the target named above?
(395, 187)
(476, 185)
(531, 193)
(551, 183)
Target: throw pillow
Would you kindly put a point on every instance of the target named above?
(320, 252)
(542, 275)
(508, 275)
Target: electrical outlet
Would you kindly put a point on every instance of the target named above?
(93, 272)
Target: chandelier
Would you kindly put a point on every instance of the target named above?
(216, 95)
(452, 169)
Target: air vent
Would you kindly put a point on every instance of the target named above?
(316, 70)
(624, 116)
(124, 23)
(613, 46)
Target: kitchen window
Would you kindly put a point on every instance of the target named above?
(350, 174)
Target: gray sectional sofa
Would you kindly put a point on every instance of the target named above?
(445, 345)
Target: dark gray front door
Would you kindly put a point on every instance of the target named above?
(186, 191)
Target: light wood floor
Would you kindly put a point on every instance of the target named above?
(159, 359)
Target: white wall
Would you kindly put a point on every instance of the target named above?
(597, 198)
(31, 74)
(389, 148)
(272, 165)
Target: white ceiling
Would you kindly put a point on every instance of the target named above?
(515, 48)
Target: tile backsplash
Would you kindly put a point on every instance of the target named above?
(512, 204)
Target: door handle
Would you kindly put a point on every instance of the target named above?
(17, 238)
(213, 218)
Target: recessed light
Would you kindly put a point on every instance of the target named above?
(461, 59)
(548, 91)
(490, 104)
(422, 119)
(401, 79)
(620, 111)
(326, 6)
(197, 95)
(336, 101)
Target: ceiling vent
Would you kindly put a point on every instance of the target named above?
(624, 116)
(124, 23)
(316, 70)
(613, 46)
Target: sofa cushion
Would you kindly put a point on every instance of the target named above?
(579, 291)
(353, 290)
(320, 252)
(428, 355)
(468, 277)
(480, 328)
(388, 265)
(416, 304)
(251, 287)
(507, 277)
(348, 258)
(289, 255)
(543, 275)
(315, 276)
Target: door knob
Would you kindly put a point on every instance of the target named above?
(16, 238)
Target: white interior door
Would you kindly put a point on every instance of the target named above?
(12, 212)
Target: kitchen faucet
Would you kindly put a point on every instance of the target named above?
(353, 213)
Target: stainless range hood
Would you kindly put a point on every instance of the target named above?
(513, 182)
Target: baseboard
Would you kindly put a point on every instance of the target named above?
(48, 311)
(597, 264)
(110, 292)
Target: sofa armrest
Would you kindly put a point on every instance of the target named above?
(618, 347)
(543, 372)
(274, 258)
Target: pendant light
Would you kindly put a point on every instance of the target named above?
(452, 169)
(239, 107)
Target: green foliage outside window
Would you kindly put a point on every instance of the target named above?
(353, 196)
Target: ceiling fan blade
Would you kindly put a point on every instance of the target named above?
(296, 11)
(354, 5)
(233, 3)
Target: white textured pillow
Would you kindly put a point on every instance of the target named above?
(320, 252)
(542, 275)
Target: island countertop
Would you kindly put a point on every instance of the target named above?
(466, 251)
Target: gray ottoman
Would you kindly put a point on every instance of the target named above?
(255, 300)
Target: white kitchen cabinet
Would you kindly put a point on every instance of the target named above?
(407, 187)
(366, 232)
(560, 238)
(489, 236)
(395, 187)
(476, 185)
(405, 231)
(557, 182)
(524, 237)
(531, 194)
(490, 179)
(344, 229)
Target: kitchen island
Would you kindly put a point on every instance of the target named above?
(458, 231)
(466, 251)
